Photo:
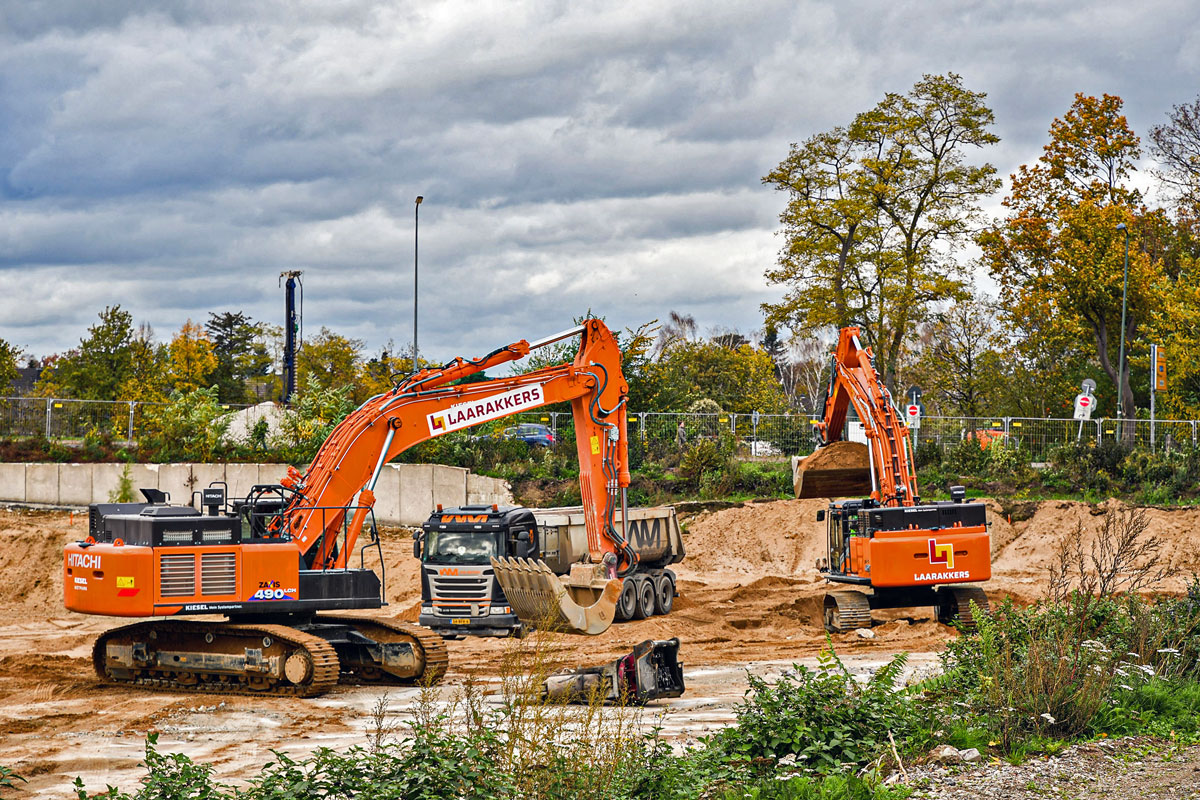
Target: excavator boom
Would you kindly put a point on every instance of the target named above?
(882, 469)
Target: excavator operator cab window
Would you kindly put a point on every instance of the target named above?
(837, 537)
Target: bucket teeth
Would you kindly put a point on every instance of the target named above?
(540, 599)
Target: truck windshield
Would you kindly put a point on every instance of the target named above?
(459, 547)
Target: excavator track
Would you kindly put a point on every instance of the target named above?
(846, 611)
(434, 659)
(957, 607)
(203, 657)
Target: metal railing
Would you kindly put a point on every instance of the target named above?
(752, 435)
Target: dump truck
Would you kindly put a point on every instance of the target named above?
(459, 591)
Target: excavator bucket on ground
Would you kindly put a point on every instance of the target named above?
(583, 602)
(838, 469)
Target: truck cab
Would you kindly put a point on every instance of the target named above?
(459, 591)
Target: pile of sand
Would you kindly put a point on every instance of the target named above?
(839, 469)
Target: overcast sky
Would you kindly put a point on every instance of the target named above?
(174, 157)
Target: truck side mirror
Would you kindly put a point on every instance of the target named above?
(522, 536)
(821, 515)
(418, 538)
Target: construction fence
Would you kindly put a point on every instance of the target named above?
(755, 435)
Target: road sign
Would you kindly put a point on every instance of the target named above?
(912, 413)
(1085, 404)
(1160, 370)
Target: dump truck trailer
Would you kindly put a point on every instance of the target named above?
(460, 592)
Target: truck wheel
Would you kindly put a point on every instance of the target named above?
(645, 597)
(627, 602)
(664, 595)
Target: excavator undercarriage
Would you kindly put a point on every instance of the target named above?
(288, 658)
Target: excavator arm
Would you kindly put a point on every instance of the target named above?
(342, 477)
(853, 382)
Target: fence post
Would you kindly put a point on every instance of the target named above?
(1007, 424)
(49, 403)
(132, 403)
(733, 424)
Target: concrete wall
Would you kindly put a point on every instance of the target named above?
(405, 493)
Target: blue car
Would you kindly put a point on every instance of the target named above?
(530, 434)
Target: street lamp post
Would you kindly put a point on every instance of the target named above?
(1121, 359)
(416, 234)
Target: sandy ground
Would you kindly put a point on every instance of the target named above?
(750, 599)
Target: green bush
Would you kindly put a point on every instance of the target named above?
(823, 717)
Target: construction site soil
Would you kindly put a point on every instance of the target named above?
(750, 597)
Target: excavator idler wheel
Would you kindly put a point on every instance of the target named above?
(645, 599)
(628, 601)
(664, 595)
(846, 611)
(955, 606)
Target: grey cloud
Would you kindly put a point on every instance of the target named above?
(175, 158)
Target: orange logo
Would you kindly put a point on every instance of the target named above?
(941, 554)
(465, 518)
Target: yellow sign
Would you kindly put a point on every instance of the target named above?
(124, 582)
(595, 445)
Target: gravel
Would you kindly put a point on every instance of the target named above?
(1118, 769)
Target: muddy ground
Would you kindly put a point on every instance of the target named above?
(750, 599)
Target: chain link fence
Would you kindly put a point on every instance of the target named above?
(755, 436)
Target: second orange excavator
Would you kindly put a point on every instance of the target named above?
(897, 551)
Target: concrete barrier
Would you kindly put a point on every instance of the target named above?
(75, 484)
(405, 493)
(12, 482)
(41, 484)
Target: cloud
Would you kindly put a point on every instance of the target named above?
(605, 156)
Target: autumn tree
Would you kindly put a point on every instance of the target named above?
(149, 378)
(739, 380)
(99, 367)
(1059, 257)
(191, 359)
(876, 213)
(330, 360)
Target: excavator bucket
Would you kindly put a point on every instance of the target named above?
(839, 469)
(583, 602)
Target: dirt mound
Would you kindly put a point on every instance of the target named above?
(31, 561)
(780, 538)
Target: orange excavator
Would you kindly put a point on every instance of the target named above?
(899, 551)
(274, 563)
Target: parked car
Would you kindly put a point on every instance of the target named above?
(530, 434)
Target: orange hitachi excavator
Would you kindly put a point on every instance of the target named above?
(907, 553)
(271, 561)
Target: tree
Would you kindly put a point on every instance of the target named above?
(190, 359)
(876, 212)
(1058, 253)
(240, 354)
(149, 374)
(960, 368)
(100, 366)
(739, 380)
(1177, 146)
(330, 360)
(10, 356)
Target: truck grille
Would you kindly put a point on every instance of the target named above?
(218, 573)
(177, 574)
(461, 596)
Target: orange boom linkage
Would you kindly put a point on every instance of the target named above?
(283, 553)
(906, 552)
